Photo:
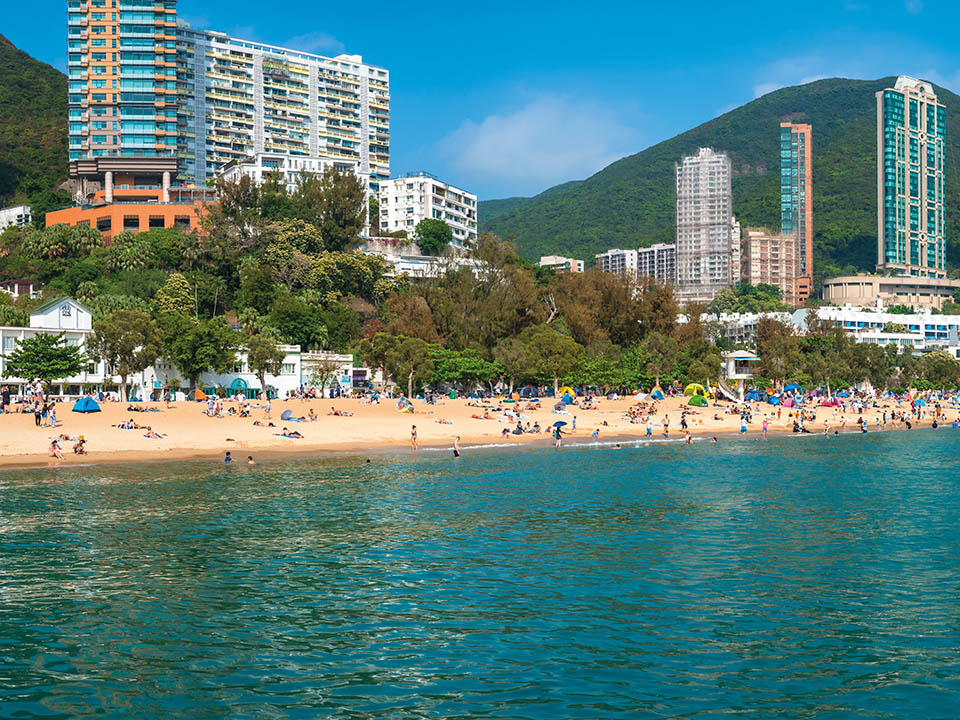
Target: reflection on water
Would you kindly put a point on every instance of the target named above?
(797, 578)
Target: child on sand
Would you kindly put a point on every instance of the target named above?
(55, 450)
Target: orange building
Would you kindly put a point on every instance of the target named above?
(132, 195)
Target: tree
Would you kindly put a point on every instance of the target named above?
(512, 355)
(264, 356)
(44, 356)
(375, 351)
(323, 370)
(336, 203)
(550, 352)
(410, 358)
(658, 308)
(128, 341)
(462, 367)
(196, 346)
(940, 369)
(660, 352)
(433, 236)
(175, 297)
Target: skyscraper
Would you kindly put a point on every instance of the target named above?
(911, 129)
(705, 227)
(796, 200)
(141, 85)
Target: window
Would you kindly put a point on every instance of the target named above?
(66, 311)
(288, 369)
(131, 222)
(156, 221)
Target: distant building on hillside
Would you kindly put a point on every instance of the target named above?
(406, 201)
(561, 264)
(707, 254)
(619, 262)
(18, 215)
(771, 259)
(796, 200)
(911, 131)
(864, 290)
(657, 261)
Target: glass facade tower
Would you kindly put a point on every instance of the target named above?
(911, 130)
(796, 200)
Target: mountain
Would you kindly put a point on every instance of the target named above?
(490, 209)
(631, 202)
(33, 125)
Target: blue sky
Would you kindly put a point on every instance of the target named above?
(512, 98)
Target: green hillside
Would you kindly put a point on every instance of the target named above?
(33, 125)
(631, 202)
(490, 209)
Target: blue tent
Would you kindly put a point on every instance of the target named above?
(755, 396)
(567, 399)
(774, 400)
(791, 388)
(86, 405)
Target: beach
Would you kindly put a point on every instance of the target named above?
(188, 433)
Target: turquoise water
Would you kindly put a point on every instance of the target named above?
(800, 578)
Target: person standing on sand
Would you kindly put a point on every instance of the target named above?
(456, 447)
(266, 410)
(558, 436)
(666, 426)
(414, 440)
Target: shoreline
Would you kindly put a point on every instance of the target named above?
(38, 461)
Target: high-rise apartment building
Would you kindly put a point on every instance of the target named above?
(771, 259)
(140, 85)
(406, 201)
(796, 201)
(707, 256)
(657, 261)
(911, 130)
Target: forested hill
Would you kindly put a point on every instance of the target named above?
(33, 126)
(631, 202)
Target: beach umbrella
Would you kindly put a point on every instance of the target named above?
(561, 423)
(792, 387)
(286, 414)
(86, 405)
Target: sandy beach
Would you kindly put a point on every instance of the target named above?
(188, 433)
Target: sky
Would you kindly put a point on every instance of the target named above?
(511, 98)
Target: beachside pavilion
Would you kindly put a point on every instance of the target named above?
(63, 315)
(66, 315)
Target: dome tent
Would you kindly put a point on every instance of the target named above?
(86, 405)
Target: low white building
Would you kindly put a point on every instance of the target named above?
(18, 215)
(561, 264)
(406, 201)
(260, 166)
(63, 315)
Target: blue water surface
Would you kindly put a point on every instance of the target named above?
(814, 577)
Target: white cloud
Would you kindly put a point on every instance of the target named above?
(549, 140)
(315, 42)
(766, 87)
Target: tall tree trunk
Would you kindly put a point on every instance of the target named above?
(556, 385)
(123, 389)
(410, 386)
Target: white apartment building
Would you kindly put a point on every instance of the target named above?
(406, 201)
(260, 166)
(18, 215)
(561, 264)
(659, 262)
(707, 233)
(619, 262)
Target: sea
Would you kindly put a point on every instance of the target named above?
(800, 577)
